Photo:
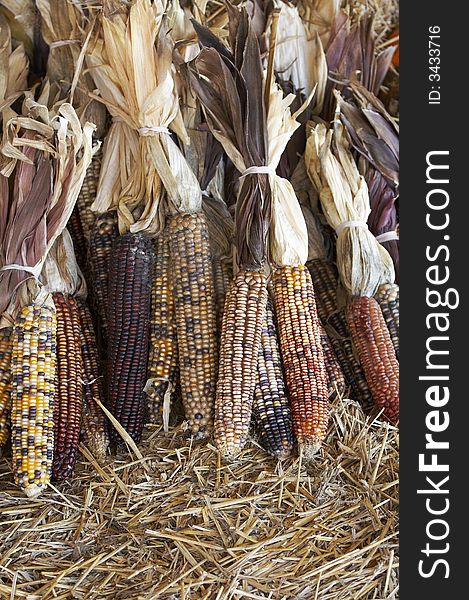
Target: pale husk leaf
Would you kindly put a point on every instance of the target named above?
(13, 70)
(363, 263)
(319, 15)
(288, 232)
(60, 272)
(299, 56)
(21, 18)
(67, 29)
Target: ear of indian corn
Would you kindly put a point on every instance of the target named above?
(325, 281)
(33, 368)
(69, 387)
(5, 385)
(163, 361)
(195, 319)
(271, 411)
(335, 377)
(243, 316)
(94, 425)
(129, 305)
(302, 355)
(387, 297)
(87, 194)
(222, 276)
(80, 244)
(373, 343)
(103, 234)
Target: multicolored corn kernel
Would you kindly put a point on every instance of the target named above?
(102, 237)
(87, 194)
(302, 355)
(241, 335)
(69, 387)
(325, 280)
(271, 411)
(5, 385)
(80, 243)
(129, 307)
(222, 276)
(375, 350)
(387, 297)
(163, 364)
(94, 430)
(196, 328)
(33, 369)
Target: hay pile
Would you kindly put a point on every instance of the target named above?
(177, 524)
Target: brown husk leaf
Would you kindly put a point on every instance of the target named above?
(299, 56)
(229, 88)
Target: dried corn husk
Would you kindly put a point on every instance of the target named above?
(49, 153)
(374, 135)
(182, 31)
(373, 132)
(136, 81)
(288, 227)
(362, 262)
(230, 90)
(21, 16)
(299, 56)
(288, 232)
(13, 70)
(61, 30)
(352, 56)
(319, 15)
(60, 272)
(65, 27)
(220, 226)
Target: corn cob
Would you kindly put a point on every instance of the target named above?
(163, 360)
(243, 316)
(5, 385)
(33, 367)
(303, 358)
(271, 409)
(325, 281)
(69, 387)
(335, 377)
(80, 244)
(371, 338)
(129, 307)
(387, 297)
(94, 425)
(103, 234)
(195, 319)
(222, 276)
(87, 194)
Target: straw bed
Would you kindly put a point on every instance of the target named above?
(190, 527)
